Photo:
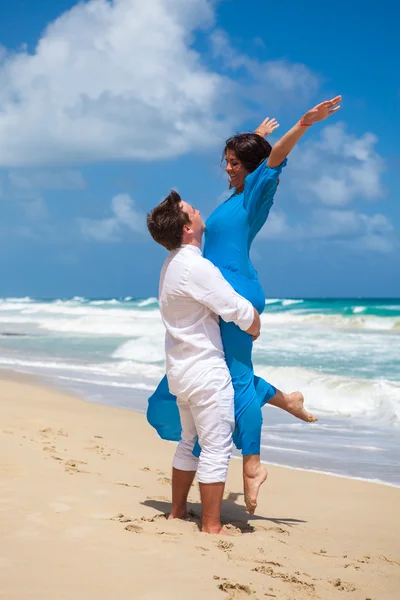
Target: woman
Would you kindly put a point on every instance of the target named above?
(253, 169)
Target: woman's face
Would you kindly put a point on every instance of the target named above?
(235, 170)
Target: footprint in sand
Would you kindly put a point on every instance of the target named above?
(390, 561)
(225, 546)
(121, 518)
(342, 586)
(231, 529)
(99, 450)
(70, 466)
(165, 480)
(131, 526)
(131, 485)
(235, 590)
(240, 527)
(134, 528)
(267, 570)
(352, 566)
(278, 530)
(158, 517)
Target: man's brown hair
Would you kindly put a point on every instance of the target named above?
(165, 222)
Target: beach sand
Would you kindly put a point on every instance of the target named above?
(84, 489)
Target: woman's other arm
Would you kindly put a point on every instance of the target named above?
(320, 112)
(267, 127)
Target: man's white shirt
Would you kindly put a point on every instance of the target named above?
(192, 295)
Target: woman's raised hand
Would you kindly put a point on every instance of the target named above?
(267, 127)
(321, 111)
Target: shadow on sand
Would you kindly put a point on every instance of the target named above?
(231, 513)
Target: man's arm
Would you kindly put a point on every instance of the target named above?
(255, 328)
(320, 112)
(207, 285)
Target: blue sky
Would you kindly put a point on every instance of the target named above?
(106, 106)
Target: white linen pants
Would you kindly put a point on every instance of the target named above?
(207, 413)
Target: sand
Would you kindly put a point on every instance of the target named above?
(84, 489)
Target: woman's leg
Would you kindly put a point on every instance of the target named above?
(248, 416)
(292, 403)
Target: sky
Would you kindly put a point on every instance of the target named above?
(106, 106)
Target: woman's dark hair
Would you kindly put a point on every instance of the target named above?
(251, 149)
(165, 222)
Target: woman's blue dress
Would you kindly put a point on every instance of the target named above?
(230, 231)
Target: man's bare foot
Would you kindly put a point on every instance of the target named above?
(178, 514)
(252, 483)
(215, 531)
(294, 404)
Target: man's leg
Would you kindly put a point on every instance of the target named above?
(181, 484)
(184, 465)
(211, 499)
(213, 413)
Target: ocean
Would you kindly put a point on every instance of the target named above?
(343, 354)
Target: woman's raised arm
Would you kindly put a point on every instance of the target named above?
(320, 112)
(267, 127)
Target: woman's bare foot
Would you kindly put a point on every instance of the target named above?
(252, 481)
(296, 408)
(294, 404)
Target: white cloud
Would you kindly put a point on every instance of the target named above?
(121, 80)
(338, 167)
(277, 225)
(111, 229)
(34, 208)
(352, 229)
(61, 179)
(111, 81)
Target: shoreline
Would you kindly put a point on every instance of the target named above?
(84, 489)
(53, 383)
(327, 473)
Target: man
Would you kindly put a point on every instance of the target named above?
(192, 295)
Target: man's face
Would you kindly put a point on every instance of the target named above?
(196, 225)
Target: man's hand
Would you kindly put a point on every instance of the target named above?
(267, 127)
(321, 111)
(254, 330)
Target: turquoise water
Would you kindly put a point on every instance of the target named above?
(343, 354)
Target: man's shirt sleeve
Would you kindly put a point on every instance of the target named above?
(206, 284)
